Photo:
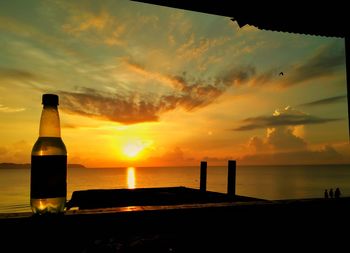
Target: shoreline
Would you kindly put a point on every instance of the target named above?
(9, 165)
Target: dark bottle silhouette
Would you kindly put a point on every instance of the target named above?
(48, 183)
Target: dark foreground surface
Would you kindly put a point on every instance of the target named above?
(264, 226)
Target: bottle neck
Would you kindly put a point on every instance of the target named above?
(49, 122)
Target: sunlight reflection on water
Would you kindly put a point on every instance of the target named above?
(267, 182)
(131, 178)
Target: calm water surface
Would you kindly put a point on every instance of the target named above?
(267, 182)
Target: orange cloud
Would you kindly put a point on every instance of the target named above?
(193, 49)
(179, 23)
(139, 69)
(106, 27)
(171, 158)
(87, 21)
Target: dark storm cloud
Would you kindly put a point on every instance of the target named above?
(187, 93)
(237, 75)
(324, 62)
(10, 73)
(91, 103)
(326, 101)
(134, 108)
(281, 120)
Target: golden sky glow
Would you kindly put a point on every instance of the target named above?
(144, 85)
(133, 148)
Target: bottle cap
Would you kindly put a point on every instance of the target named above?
(50, 99)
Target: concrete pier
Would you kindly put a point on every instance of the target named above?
(276, 226)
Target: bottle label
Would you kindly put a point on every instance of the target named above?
(48, 176)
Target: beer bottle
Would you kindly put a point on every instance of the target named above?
(48, 179)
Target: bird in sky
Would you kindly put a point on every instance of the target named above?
(281, 73)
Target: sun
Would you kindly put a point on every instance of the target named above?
(132, 149)
(135, 148)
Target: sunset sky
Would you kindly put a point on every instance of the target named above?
(144, 85)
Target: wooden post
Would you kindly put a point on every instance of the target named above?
(347, 62)
(203, 177)
(231, 178)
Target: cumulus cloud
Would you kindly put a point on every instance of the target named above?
(286, 117)
(326, 101)
(327, 154)
(283, 138)
(278, 138)
(285, 144)
(256, 144)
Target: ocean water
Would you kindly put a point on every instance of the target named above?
(266, 182)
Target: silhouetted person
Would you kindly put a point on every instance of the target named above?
(326, 194)
(337, 193)
(331, 193)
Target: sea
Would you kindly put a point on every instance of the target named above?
(265, 182)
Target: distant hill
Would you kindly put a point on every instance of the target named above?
(75, 165)
(27, 165)
(14, 165)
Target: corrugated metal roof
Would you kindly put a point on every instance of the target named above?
(324, 18)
